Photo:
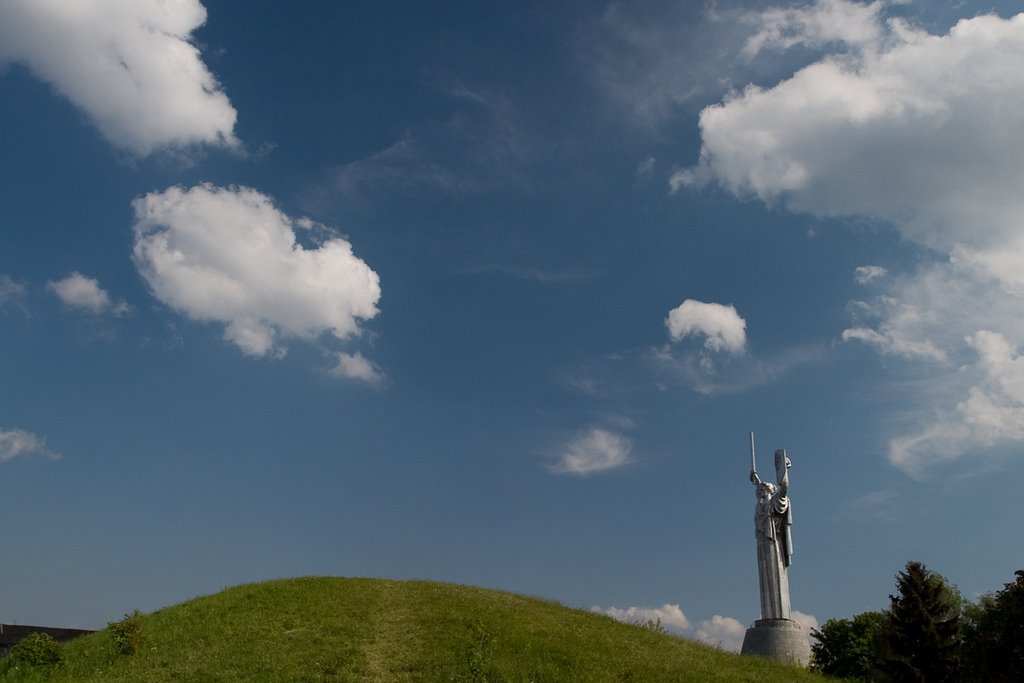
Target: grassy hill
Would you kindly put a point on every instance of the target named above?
(330, 629)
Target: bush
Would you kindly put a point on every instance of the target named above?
(127, 633)
(37, 649)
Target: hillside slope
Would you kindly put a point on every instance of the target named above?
(331, 629)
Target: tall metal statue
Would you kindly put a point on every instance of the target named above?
(775, 635)
(773, 518)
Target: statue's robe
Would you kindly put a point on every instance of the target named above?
(773, 518)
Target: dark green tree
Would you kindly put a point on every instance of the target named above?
(994, 638)
(924, 633)
(850, 648)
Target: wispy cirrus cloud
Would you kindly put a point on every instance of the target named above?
(13, 294)
(592, 451)
(991, 412)
(814, 25)
(18, 442)
(883, 504)
(132, 67)
(866, 274)
(729, 375)
(651, 62)
(544, 276)
(405, 166)
(484, 141)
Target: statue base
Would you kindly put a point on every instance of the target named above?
(782, 640)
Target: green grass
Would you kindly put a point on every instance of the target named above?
(330, 629)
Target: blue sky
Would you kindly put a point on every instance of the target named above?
(494, 294)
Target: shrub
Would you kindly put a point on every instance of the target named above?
(37, 649)
(127, 633)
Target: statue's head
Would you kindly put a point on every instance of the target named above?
(782, 464)
(765, 490)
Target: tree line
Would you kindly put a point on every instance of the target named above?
(929, 633)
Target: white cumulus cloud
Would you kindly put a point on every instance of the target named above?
(857, 135)
(130, 66)
(724, 633)
(16, 442)
(79, 291)
(921, 132)
(670, 616)
(721, 326)
(596, 450)
(357, 366)
(807, 621)
(881, 112)
(228, 255)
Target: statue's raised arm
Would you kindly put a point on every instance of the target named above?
(782, 465)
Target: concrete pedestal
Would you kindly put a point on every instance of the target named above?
(780, 639)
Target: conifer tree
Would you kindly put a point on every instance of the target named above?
(924, 627)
